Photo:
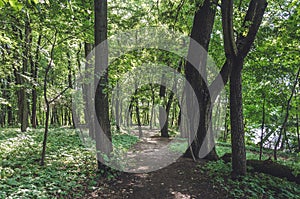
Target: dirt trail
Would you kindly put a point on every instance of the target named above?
(151, 153)
(182, 179)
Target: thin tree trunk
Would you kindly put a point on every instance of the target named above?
(9, 108)
(117, 108)
(262, 128)
(137, 111)
(152, 107)
(70, 82)
(87, 91)
(47, 102)
(34, 71)
(283, 127)
(297, 123)
(162, 114)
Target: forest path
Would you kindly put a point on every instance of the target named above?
(183, 179)
(180, 180)
(152, 152)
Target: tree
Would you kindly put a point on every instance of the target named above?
(201, 32)
(101, 96)
(235, 52)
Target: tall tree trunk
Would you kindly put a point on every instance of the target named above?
(165, 128)
(297, 124)
(262, 128)
(70, 82)
(235, 54)
(152, 107)
(283, 127)
(163, 115)
(102, 134)
(236, 118)
(87, 91)
(163, 118)
(47, 102)
(118, 108)
(34, 72)
(3, 106)
(23, 95)
(201, 32)
(9, 108)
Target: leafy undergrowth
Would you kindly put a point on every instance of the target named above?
(253, 185)
(285, 158)
(69, 169)
(124, 141)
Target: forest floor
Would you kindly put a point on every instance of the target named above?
(70, 170)
(182, 179)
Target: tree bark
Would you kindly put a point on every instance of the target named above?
(236, 118)
(101, 96)
(262, 128)
(34, 71)
(118, 108)
(201, 32)
(87, 91)
(152, 107)
(297, 126)
(137, 112)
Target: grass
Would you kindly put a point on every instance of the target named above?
(70, 168)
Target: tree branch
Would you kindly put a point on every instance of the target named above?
(253, 17)
(60, 94)
(227, 24)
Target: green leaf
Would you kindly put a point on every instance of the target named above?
(15, 5)
(35, 1)
(1, 4)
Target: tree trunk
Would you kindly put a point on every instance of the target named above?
(163, 115)
(23, 106)
(47, 102)
(262, 128)
(152, 107)
(118, 108)
(235, 53)
(283, 127)
(201, 32)
(268, 167)
(236, 118)
(70, 82)
(9, 108)
(34, 70)
(3, 106)
(102, 134)
(137, 111)
(297, 126)
(87, 91)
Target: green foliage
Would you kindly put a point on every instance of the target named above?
(68, 171)
(289, 159)
(123, 142)
(179, 145)
(253, 185)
